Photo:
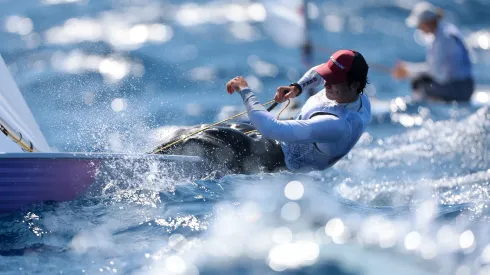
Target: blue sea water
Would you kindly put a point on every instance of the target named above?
(99, 75)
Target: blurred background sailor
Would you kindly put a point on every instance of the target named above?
(447, 72)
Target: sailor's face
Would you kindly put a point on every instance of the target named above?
(334, 91)
(428, 27)
(424, 28)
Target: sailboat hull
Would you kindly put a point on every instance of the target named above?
(29, 178)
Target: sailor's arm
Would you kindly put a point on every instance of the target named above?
(404, 69)
(323, 128)
(441, 54)
(311, 79)
(416, 68)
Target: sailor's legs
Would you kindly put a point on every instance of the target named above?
(459, 90)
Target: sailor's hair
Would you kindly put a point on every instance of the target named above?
(358, 72)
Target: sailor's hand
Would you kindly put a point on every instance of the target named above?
(400, 71)
(284, 93)
(236, 85)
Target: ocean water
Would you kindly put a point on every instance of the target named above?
(411, 197)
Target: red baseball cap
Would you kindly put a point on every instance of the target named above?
(336, 69)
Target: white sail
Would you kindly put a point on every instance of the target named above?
(15, 111)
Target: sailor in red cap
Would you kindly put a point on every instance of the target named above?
(329, 124)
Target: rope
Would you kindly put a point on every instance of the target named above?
(289, 101)
(204, 129)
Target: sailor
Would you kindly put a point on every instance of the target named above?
(447, 73)
(329, 124)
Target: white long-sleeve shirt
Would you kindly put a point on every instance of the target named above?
(322, 128)
(313, 140)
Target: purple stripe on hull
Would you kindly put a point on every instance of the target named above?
(27, 178)
(24, 181)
